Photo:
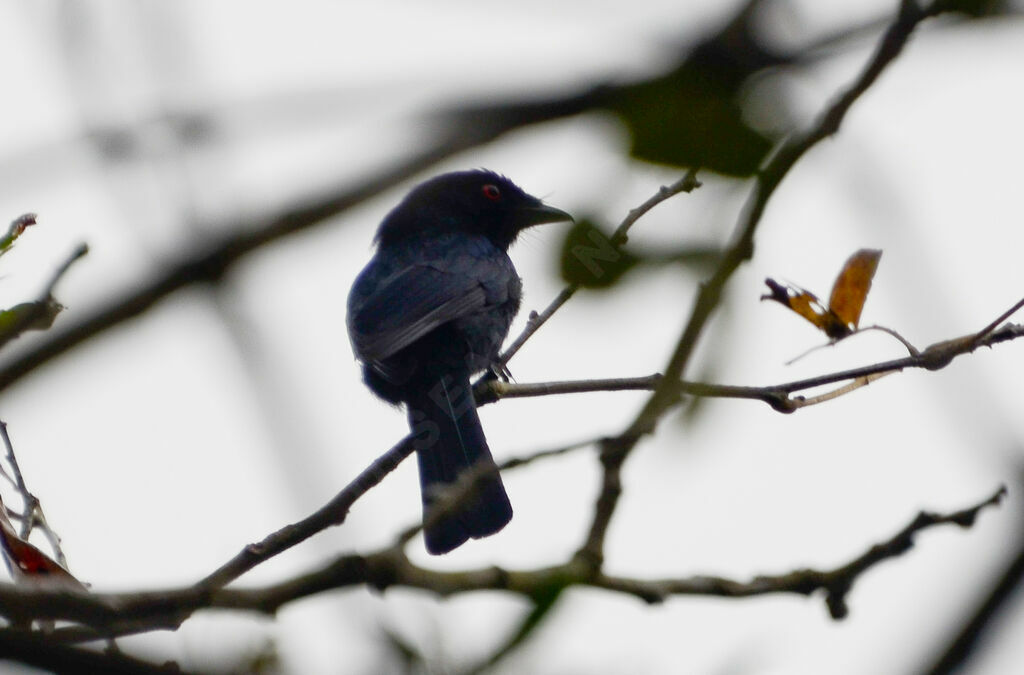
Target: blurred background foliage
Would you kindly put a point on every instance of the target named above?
(227, 163)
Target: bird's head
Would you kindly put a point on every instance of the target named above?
(475, 202)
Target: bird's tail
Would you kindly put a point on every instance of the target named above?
(450, 441)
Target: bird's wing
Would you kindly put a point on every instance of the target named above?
(408, 306)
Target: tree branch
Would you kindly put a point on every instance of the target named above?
(128, 613)
(616, 450)
(45, 653)
(778, 396)
(332, 513)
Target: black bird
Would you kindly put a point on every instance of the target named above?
(430, 310)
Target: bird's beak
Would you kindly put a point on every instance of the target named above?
(542, 213)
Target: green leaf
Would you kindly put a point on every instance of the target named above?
(689, 118)
(591, 259)
(27, 316)
(693, 115)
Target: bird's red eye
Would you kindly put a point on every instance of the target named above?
(491, 192)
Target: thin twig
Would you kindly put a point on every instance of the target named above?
(688, 183)
(27, 518)
(499, 389)
(911, 349)
(804, 402)
(834, 341)
(987, 330)
(33, 509)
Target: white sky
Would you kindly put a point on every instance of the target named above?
(161, 449)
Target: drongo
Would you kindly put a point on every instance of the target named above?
(430, 310)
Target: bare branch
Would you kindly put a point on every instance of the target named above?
(836, 583)
(333, 512)
(33, 515)
(911, 349)
(778, 396)
(496, 390)
(47, 654)
(688, 183)
(127, 613)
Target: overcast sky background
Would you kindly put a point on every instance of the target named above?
(162, 448)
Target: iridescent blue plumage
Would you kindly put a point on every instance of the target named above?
(431, 309)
